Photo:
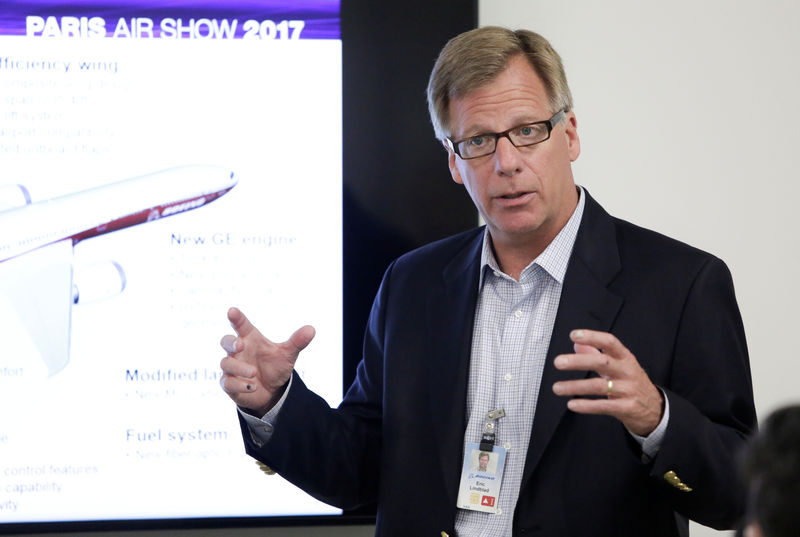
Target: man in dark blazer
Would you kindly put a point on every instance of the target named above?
(642, 397)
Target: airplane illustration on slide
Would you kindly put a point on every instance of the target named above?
(37, 240)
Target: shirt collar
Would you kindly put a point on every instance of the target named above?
(554, 259)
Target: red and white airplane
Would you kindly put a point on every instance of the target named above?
(37, 240)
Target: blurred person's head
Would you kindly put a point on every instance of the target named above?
(772, 473)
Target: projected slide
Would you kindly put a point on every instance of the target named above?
(159, 162)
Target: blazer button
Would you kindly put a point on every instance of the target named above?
(264, 468)
(672, 478)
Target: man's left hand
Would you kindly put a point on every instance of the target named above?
(629, 395)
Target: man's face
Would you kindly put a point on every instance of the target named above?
(524, 194)
(483, 462)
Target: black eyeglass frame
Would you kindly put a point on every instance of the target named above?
(549, 123)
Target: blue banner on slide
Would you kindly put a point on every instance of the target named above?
(186, 19)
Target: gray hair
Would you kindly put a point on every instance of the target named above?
(475, 58)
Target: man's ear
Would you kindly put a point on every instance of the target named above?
(451, 162)
(571, 131)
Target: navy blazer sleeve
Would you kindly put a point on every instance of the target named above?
(711, 405)
(333, 454)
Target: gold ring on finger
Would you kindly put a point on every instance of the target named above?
(610, 388)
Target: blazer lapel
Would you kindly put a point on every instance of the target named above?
(450, 316)
(585, 302)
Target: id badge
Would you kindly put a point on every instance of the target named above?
(481, 477)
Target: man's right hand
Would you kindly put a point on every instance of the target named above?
(256, 370)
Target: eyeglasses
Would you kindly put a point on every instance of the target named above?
(519, 136)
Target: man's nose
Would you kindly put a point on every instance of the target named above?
(507, 157)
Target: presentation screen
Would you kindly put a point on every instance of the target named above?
(159, 163)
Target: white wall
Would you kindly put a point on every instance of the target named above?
(688, 114)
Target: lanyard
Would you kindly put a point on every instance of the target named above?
(489, 427)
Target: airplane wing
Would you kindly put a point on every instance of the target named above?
(38, 287)
(36, 273)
